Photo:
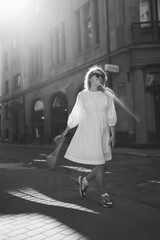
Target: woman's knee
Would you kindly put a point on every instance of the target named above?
(100, 167)
(106, 166)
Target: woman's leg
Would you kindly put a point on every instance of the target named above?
(100, 179)
(98, 173)
(91, 175)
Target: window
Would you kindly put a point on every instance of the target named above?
(145, 11)
(17, 81)
(87, 25)
(78, 30)
(57, 44)
(39, 57)
(63, 42)
(6, 111)
(152, 80)
(149, 10)
(51, 41)
(96, 20)
(6, 87)
(158, 9)
(6, 60)
(6, 133)
(32, 61)
(36, 59)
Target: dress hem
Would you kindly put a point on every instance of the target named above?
(85, 162)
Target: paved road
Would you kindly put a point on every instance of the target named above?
(36, 203)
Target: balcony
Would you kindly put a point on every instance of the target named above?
(146, 32)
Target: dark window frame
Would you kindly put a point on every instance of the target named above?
(17, 81)
(57, 44)
(6, 112)
(78, 29)
(63, 41)
(87, 22)
(96, 20)
(6, 87)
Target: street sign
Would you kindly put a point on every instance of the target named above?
(111, 68)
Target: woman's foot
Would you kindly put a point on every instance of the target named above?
(106, 201)
(82, 186)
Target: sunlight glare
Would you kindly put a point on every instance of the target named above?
(11, 222)
(11, 10)
(35, 196)
(10, 7)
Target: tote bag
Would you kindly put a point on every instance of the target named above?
(51, 159)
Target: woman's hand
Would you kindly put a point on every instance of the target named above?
(58, 138)
(112, 141)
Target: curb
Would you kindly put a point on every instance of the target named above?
(33, 146)
(115, 152)
(137, 154)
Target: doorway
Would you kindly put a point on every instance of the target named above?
(38, 120)
(59, 113)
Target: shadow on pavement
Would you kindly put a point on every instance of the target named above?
(35, 201)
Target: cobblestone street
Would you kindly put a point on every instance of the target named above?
(37, 203)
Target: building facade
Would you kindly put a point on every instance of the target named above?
(48, 48)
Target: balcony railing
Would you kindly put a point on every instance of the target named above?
(146, 32)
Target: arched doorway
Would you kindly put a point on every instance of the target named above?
(59, 113)
(38, 120)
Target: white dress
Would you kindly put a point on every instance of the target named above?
(93, 112)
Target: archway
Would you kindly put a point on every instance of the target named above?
(38, 120)
(59, 113)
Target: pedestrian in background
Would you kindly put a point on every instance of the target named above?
(94, 113)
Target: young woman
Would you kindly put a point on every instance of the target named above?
(94, 113)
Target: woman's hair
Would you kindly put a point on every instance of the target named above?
(89, 74)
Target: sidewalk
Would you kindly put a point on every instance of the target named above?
(141, 152)
(39, 204)
(153, 152)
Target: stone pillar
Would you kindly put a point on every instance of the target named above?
(140, 106)
(131, 120)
